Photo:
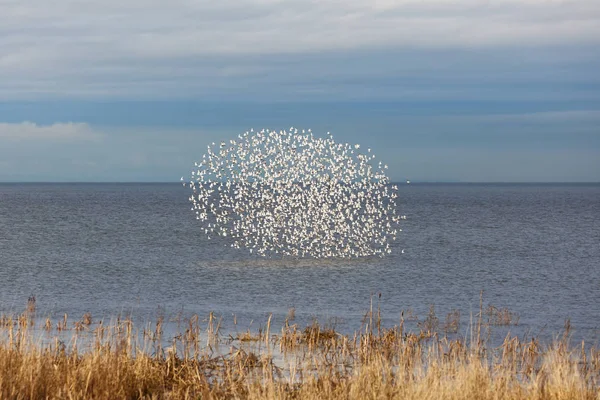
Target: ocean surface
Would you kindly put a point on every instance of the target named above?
(137, 250)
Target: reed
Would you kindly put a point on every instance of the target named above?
(92, 359)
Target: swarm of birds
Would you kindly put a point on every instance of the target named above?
(289, 193)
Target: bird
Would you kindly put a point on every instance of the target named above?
(291, 193)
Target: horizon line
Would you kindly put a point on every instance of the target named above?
(410, 182)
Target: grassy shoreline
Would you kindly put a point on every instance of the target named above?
(86, 359)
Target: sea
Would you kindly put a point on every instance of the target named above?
(529, 251)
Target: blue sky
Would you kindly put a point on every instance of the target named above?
(442, 90)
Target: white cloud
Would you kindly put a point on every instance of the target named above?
(58, 131)
(102, 47)
(183, 27)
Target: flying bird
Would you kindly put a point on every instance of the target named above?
(290, 193)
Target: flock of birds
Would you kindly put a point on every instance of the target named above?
(289, 193)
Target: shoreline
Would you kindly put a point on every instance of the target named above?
(91, 359)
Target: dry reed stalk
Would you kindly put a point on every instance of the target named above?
(376, 362)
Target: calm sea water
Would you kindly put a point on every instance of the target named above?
(136, 249)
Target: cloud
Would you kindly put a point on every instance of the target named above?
(496, 165)
(26, 131)
(430, 151)
(182, 27)
(156, 48)
(571, 118)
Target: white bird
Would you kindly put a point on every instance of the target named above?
(290, 194)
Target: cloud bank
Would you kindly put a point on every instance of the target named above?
(202, 48)
(27, 131)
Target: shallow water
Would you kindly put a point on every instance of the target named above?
(136, 249)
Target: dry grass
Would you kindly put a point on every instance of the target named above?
(87, 359)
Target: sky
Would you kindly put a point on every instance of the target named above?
(442, 90)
